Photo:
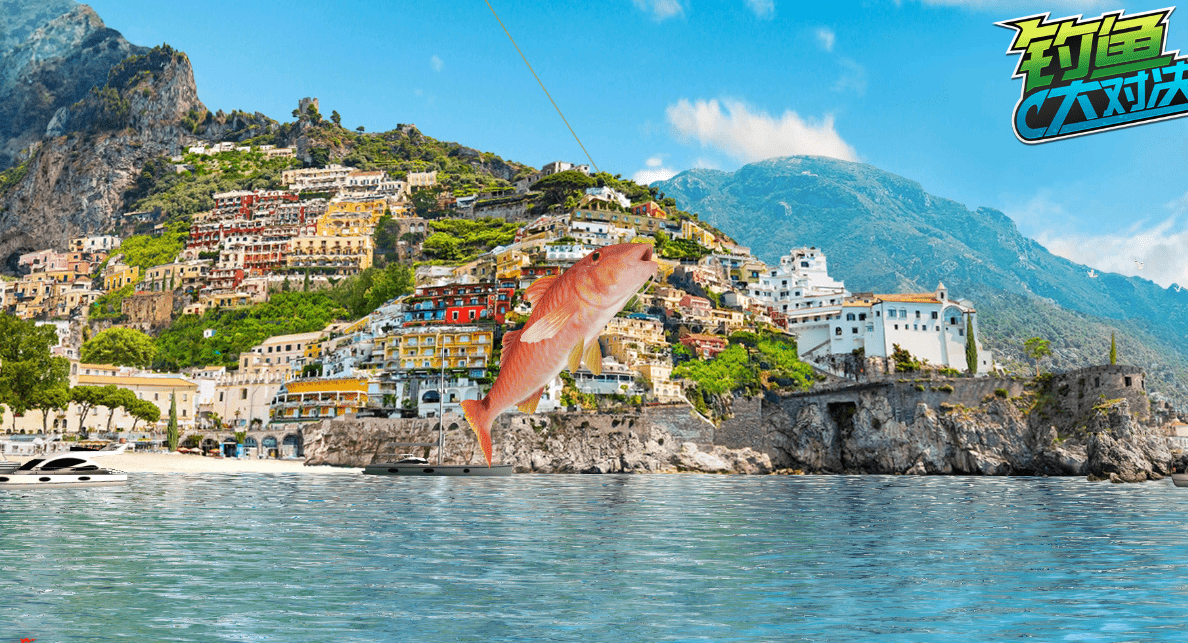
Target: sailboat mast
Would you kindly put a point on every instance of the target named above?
(440, 402)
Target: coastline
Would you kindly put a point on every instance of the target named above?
(186, 463)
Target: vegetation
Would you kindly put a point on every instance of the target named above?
(971, 347)
(148, 251)
(178, 195)
(119, 346)
(27, 369)
(904, 362)
(1113, 351)
(109, 305)
(462, 240)
(182, 345)
(1037, 349)
(171, 432)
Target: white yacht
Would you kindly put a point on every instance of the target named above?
(71, 469)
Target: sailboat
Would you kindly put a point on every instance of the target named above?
(407, 464)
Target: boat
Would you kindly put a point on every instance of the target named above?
(411, 465)
(71, 469)
(90, 445)
(1180, 479)
(7, 465)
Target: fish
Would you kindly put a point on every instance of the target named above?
(569, 311)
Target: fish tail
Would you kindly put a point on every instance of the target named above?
(478, 414)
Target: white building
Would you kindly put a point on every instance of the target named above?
(930, 326)
(422, 179)
(316, 179)
(610, 195)
(801, 289)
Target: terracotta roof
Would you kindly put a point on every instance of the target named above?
(918, 298)
(103, 380)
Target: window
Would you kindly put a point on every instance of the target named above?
(155, 396)
(183, 413)
(849, 316)
(854, 330)
(903, 312)
(934, 314)
(870, 328)
(1127, 380)
(288, 347)
(837, 331)
(891, 313)
(185, 397)
(804, 264)
(243, 393)
(861, 316)
(220, 396)
(897, 327)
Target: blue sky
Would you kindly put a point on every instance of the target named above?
(921, 89)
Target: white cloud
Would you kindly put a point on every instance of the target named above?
(765, 9)
(661, 9)
(1159, 247)
(436, 63)
(826, 37)
(752, 136)
(853, 76)
(654, 170)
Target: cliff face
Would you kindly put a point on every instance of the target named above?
(882, 428)
(75, 178)
(52, 52)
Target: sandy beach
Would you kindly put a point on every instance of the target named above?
(188, 463)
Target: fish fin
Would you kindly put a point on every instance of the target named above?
(530, 402)
(510, 339)
(593, 357)
(545, 327)
(575, 358)
(478, 414)
(538, 288)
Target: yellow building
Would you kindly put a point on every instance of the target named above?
(181, 274)
(350, 218)
(224, 300)
(118, 275)
(330, 255)
(317, 399)
(147, 386)
(424, 348)
(618, 218)
(509, 262)
(694, 232)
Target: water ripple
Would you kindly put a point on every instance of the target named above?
(299, 558)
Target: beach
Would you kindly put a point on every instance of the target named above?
(189, 463)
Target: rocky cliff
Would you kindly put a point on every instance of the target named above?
(75, 179)
(953, 427)
(52, 52)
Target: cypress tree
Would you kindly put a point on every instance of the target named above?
(1113, 351)
(171, 434)
(305, 286)
(971, 347)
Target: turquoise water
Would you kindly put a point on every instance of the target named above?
(337, 558)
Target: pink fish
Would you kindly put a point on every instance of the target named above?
(569, 311)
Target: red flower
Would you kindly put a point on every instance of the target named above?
(27, 640)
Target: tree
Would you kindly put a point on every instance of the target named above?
(360, 129)
(119, 346)
(424, 200)
(121, 398)
(314, 115)
(971, 347)
(335, 118)
(27, 369)
(557, 187)
(87, 398)
(1037, 349)
(904, 362)
(1113, 351)
(49, 399)
(144, 410)
(171, 433)
(305, 285)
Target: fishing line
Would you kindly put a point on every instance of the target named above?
(513, 42)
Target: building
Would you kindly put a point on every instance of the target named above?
(931, 326)
(313, 400)
(609, 195)
(329, 254)
(275, 356)
(117, 275)
(152, 387)
(422, 179)
(102, 243)
(704, 346)
(317, 179)
(186, 275)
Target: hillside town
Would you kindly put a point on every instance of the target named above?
(423, 352)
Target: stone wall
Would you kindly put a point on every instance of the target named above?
(1080, 390)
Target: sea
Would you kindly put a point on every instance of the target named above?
(340, 558)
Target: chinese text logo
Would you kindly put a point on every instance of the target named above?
(1087, 76)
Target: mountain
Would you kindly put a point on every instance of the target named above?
(882, 232)
(74, 179)
(52, 52)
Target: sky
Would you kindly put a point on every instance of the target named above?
(655, 87)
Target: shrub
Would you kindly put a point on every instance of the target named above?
(1001, 392)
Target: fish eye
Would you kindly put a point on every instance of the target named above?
(596, 256)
